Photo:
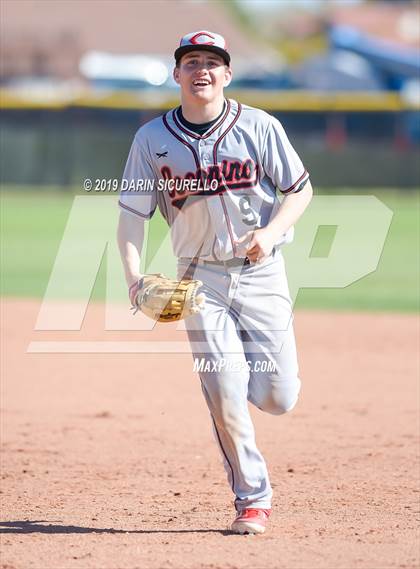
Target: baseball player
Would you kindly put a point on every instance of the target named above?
(230, 186)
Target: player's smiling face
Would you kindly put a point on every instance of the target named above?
(202, 75)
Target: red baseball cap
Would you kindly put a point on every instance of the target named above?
(202, 40)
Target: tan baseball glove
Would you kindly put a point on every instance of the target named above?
(164, 299)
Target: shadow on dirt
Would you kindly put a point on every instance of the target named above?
(36, 526)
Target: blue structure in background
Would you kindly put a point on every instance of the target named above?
(395, 63)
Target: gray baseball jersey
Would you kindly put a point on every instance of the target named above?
(211, 189)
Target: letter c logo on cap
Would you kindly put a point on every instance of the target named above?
(199, 39)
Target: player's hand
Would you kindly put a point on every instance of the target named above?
(259, 244)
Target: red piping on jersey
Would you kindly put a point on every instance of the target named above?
(133, 210)
(207, 134)
(216, 144)
(305, 173)
(187, 144)
(232, 124)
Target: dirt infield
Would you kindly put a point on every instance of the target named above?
(109, 462)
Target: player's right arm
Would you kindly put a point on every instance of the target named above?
(137, 203)
(130, 237)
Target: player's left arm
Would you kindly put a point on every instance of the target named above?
(262, 241)
(282, 164)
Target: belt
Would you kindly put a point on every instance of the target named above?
(235, 262)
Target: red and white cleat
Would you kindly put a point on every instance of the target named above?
(250, 520)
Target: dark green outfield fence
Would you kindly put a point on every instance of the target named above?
(63, 146)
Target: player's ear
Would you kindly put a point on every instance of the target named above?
(176, 74)
(228, 76)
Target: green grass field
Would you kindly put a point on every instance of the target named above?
(32, 224)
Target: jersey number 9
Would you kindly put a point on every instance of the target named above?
(250, 217)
